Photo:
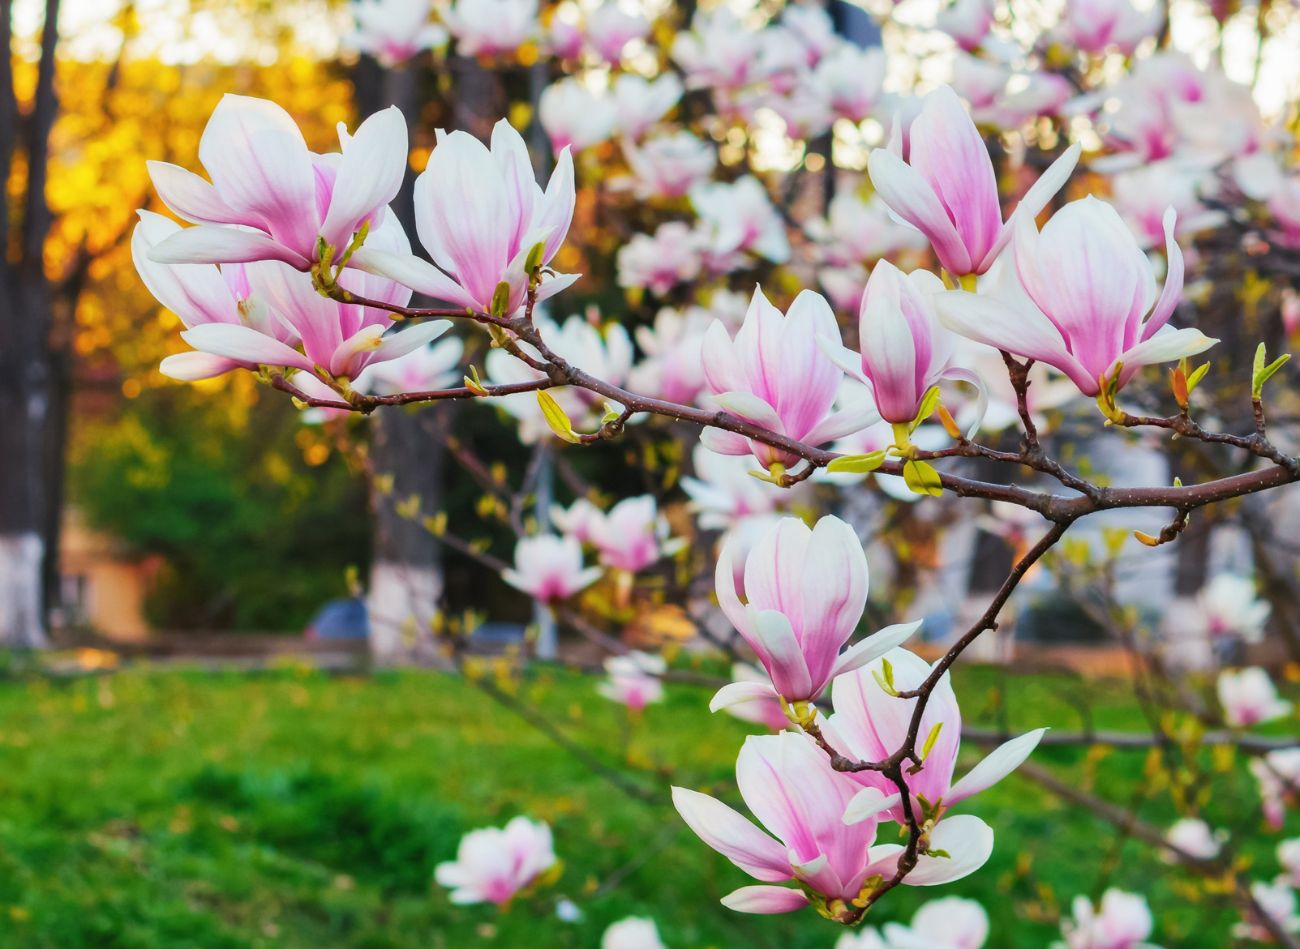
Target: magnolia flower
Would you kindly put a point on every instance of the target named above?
(740, 218)
(669, 166)
(850, 80)
(491, 27)
(633, 535)
(493, 864)
(574, 116)
(1284, 205)
(549, 568)
(1123, 922)
(424, 369)
(480, 215)
(947, 188)
(1288, 855)
(634, 932)
(775, 374)
(790, 786)
(394, 31)
(672, 368)
(966, 21)
(200, 294)
(605, 351)
(764, 707)
(811, 29)
(1087, 308)
(580, 520)
(1094, 25)
(269, 314)
(870, 724)
(857, 230)
(564, 35)
(868, 937)
(1277, 901)
(904, 350)
(610, 28)
(978, 81)
(1278, 775)
(659, 262)
(722, 492)
(272, 199)
(806, 590)
(634, 680)
(718, 51)
(1194, 838)
(1230, 606)
(1142, 196)
(1249, 698)
(640, 103)
(948, 923)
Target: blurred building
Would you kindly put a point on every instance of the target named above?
(101, 585)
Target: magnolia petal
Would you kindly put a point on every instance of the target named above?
(750, 407)
(1165, 346)
(868, 804)
(733, 836)
(996, 765)
(874, 646)
(244, 344)
(369, 177)
(193, 366)
(910, 196)
(724, 442)
(737, 693)
(212, 244)
(784, 658)
(414, 272)
(191, 197)
(395, 345)
(1172, 291)
(967, 839)
(1043, 190)
(981, 394)
(765, 899)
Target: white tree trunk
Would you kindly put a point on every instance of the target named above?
(402, 604)
(20, 591)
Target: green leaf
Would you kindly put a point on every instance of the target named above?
(1264, 373)
(534, 259)
(884, 677)
(501, 299)
(557, 418)
(1197, 375)
(858, 464)
(929, 402)
(930, 739)
(922, 478)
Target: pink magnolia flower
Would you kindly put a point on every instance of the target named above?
(1276, 900)
(610, 28)
(870, 724)
(580, 520)
(850, 80)
(671, 368)
(904, 349)
(658, 262)
(1087, 307)
(947, 188)
(1123, 922)
(1284, 205)
(669, 166)
(549, 568)
(634, 680)
(774, 373)
(967, 22)
(740, 218)
(1194, 838)
(1278, 775)
(764, 707)
(1095, 25)
(1249, 698)
(425, 369)
(479, 214)
(1288, 855)
(1143, 196)
(272, 199)
(790, 786)
(633, 535)
(806, 590)
(493, 864)
(718, 51)
(394, 31)
(948, 923)
(565, 37)
(200, 294)
(575, 116)
(640, 102)
(491, 27)
(723, 494)
(1230, 605)
(634, 932)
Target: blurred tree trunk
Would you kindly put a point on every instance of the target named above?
(27, 376)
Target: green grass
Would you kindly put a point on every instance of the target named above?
(164, 809)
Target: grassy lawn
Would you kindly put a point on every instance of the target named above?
(153, 808)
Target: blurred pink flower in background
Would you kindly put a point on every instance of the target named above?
(493, 864)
